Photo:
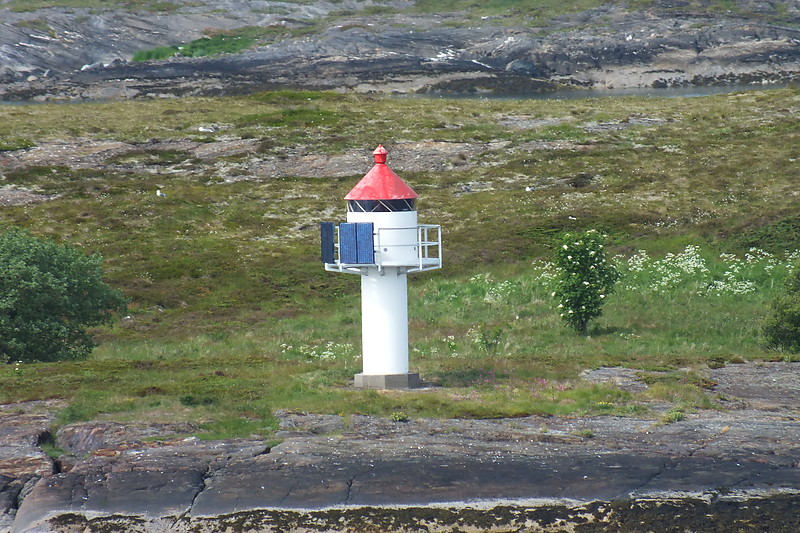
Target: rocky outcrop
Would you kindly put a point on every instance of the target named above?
(53, 42)
(82, 153)
(24, 429)
(733, 469)
(87, 56)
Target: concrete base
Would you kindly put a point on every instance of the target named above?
(388, 381)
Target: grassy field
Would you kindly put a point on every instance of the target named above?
(233, 316)
(521, 10)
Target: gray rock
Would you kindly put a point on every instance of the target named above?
(661, 47)
(726, 469)
(23, 427)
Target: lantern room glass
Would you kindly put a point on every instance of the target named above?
(382, 206)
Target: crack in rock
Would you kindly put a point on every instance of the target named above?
(187, 514)
(632, 492)
(288, 493)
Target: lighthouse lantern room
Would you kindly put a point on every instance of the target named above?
(383, 243)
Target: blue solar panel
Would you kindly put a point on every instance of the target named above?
(326, 241)
(365, 249)
(348, 247)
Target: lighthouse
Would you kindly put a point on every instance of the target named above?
(383, 243)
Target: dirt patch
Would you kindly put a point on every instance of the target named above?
(13, 196)
(78, 153)
(527, 122)
(624, 378)
(767, 386)
(249, 163)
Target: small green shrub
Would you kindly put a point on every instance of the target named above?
(676, 414)
(194, 401)
(781, 328)
(49, 295)
(585, 278)
(488, 339)
(399, 416)
(16, 143)
(47, 442)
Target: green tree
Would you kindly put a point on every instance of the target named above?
(49, 295)
(781, 329)
(584, 279)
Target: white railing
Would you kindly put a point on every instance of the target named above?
(429, 251)
(428, 254)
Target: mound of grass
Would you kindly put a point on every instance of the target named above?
(227, 42)
(219, 42)
(774, 236)
(11, 145)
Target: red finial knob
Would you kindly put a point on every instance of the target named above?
(380, 154)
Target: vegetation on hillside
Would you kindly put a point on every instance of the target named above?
(232, 315)
(223, 42)
(49, 296)
(129, 5)
(523, 11)
(782, 325)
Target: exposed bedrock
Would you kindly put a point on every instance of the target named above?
(87, 55)
(732, 469)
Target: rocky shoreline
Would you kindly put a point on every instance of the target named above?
(732, 469)
(86, 55)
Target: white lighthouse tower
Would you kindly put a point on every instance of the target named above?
(382, 242)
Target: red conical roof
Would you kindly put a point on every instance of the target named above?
(380, 183)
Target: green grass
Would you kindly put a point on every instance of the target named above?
(10, 145)
(131, 5)
(231, 383)
(540, 12)
(519, 9)
(232, 313)
(219, 42)
(37, 25)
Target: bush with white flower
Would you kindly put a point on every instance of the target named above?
(584, 279)
(781, 328)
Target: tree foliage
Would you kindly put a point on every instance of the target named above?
(585, 278)
(49, 295)
(781, 328)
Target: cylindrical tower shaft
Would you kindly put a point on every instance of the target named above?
(384, 321)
